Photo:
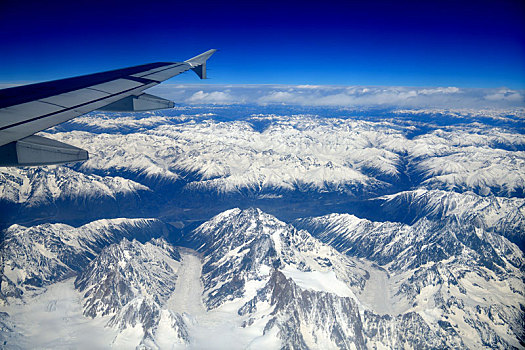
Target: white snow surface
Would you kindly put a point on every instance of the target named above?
(318, 280)
(54, 320)
(188, 288)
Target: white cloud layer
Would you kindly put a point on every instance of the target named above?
(214, 97)
(315, 95)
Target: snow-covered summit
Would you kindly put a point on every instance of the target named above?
(241, 247)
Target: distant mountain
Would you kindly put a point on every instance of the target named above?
(35, 186)
(192, 163)
(305, 152)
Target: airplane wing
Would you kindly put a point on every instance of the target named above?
(25, 110)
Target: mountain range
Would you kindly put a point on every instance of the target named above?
(273, 284)
(195, 229)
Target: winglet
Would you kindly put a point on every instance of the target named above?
(198, 63)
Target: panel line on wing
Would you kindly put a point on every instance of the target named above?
(90, 88)
(167, 73)
(53, 104)
(142, 80)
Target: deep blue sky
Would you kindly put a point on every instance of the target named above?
(414, 43)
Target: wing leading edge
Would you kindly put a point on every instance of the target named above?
(25, 110)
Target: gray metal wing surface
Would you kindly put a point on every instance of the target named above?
(25, 110)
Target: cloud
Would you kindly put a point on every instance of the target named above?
(285, 97)
(307, 86)
(345, 96)
(447, 90)
(505, 95)
(214, 97)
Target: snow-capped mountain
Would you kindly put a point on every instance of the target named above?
(170, 162)
(392, 229)
(132, 282)
(34, 257)
(440, 270)
(505, 216)
(266, 284)
(402, 247)
(250, 253)
(35, 186)
(248, 256)
(241, 247)
(479, 158)
(249, 159)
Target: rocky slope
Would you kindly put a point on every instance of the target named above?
(34, 257)
(241, 247)
(132, 282)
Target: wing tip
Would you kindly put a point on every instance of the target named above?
(198, 63)
(200, 59)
